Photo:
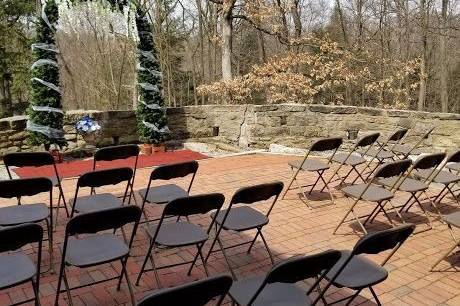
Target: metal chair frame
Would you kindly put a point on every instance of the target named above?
(14, 238)
(415, 146)
(91, 223)
(247, 196)
(37, 159)
(448, 188)
(326, 144)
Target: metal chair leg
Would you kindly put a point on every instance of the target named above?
(226, 259)
(353, 297)
(266, 246)
(36, 292)
(375, 296)
(67, 288)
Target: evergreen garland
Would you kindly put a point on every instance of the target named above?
(151, 114)
(46, 69)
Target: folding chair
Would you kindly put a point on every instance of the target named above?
(28, 213)
(37, 159)
(404, 150)
(371, 192)
(444, 177)
(240, 217)
(416, 187)
(92, 248)
(314, 165)
(182, 233)
(16, 268)
(452, 220)
(354, 157)
(357, 272)
(454, 164)
(198, 293)
(278, 286)
(163, 194)
(116, 153)
(99, 201)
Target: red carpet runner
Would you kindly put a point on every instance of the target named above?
(77, 167)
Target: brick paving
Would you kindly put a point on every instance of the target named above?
(293, 229)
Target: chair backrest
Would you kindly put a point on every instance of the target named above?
(105, 177)
(429, 161)
(193, 205)
(116, 152)
(257, 193)
(326, 144)
(367, 140)
(378, 242)
(391, 169)
(112, 218)
(25, 187)
(301, 268)
(197, 293)
(28, 159)
(177, 170)
(15, 237)
(398, 135)
(454, 157)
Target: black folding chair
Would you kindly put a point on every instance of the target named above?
(357, 272)
(452, 220)
(119, 152)
(454, 164)
(16, 268)
(182, 233)
(163, 194)
(37, 159)
(240, 217)
(354, 158)
(371, 192)
(99, 201)
(405, 150)
(28, 213)
(416, 187)
(313, 165)
(92, 248)
(198, 293)
(278, 286)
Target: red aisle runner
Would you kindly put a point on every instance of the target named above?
(77, 167)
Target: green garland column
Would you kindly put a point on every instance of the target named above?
(45, 110)
(151, 113)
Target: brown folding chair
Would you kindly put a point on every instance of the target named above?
(163, 194)
(313, 165)
(28, 213)
(116, 153)
(452, 220)
(85, 246)
(403, 151)
(371, 192)
(356, 272)
(16, 268)
(37, 159)
(454, 164)
(182, 233)
(417, 187)
(240, 217)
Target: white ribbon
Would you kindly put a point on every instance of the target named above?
(44, 61)
(48, 84)
(44, 46)
(154, 127)
(46, 130)
(39, 108)
(149, 87)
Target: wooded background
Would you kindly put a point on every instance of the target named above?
(380, 53)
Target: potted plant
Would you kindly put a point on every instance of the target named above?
(89, 129)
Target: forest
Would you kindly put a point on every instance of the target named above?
(379, 53)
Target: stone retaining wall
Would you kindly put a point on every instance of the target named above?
(252, 126)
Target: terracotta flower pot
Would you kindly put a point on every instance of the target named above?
(146, 149)
(156, 148)
(90, 138)
(57, 155)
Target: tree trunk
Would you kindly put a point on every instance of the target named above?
(297, 22)
(6, 105)
(424, 59)
(227, 33)
(444, 68)
(342, 23)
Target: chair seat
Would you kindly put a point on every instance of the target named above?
(408, 185)
(453, 166)
(359, 273)
(18, 214)
(95, 249)
(352, 160)
(402, 149)
(177, 234)
(443, 177)
(373, 193)
(242, 218)
(276, 294)
(309, 165)
(163, 194)
(15, 268)
(97, 202)
(382, 154)
(453, 219)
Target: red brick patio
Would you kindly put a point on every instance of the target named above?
(293, 229)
